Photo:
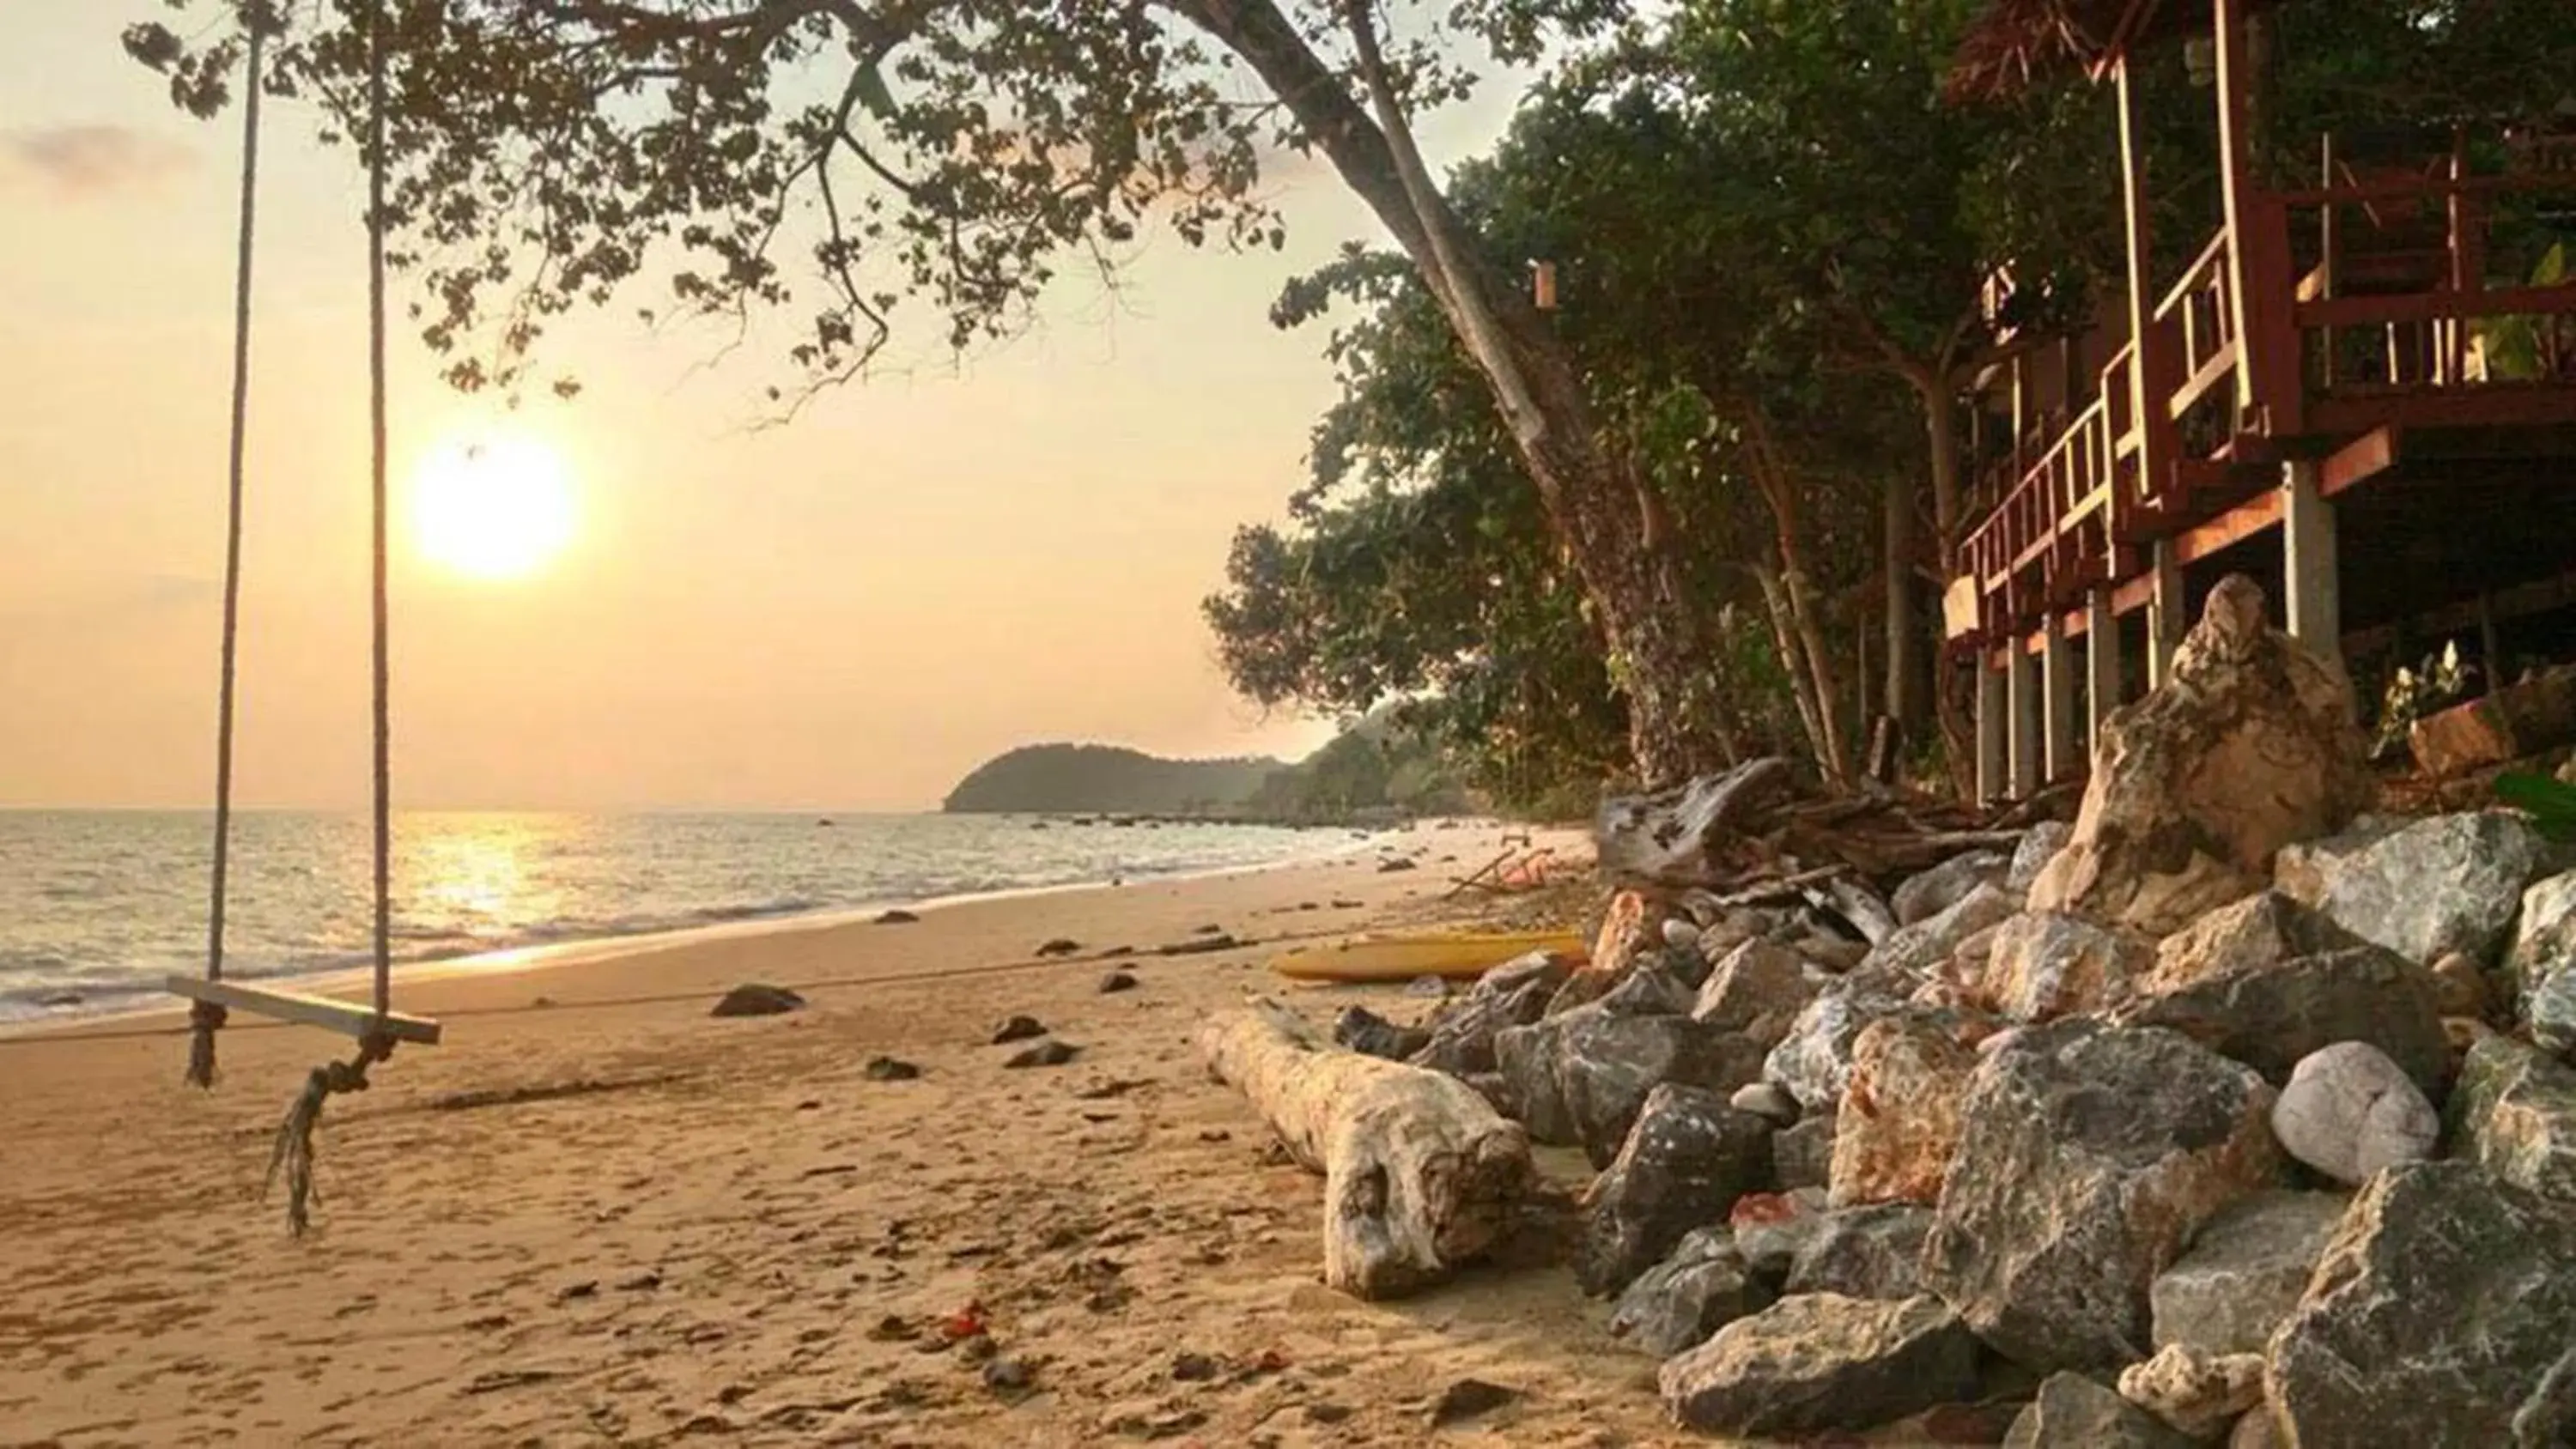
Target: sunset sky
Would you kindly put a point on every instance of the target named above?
(849, 612)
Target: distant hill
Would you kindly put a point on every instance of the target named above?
(1074, 779)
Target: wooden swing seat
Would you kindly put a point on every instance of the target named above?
(348, 1018)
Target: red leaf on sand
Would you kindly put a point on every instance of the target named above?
(966, 1322)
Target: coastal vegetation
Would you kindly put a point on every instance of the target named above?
(1374, 769)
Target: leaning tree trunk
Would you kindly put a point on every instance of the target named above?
(1421, 1174)
(1658, 637)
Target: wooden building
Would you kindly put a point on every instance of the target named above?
(2362, 392)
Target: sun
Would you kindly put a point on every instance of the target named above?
(492, 508)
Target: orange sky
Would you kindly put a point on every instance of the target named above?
(849, 612)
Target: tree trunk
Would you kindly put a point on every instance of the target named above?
(1658, 637)
(1900, 543)
(1421, 1175)
(1940, 426)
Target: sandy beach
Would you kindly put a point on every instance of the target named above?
(585, 1224)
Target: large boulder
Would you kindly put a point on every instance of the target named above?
(1676, 1304)
(1928, 894)
(2245, 1272)
(2437, 1316)
(2090, 1154)
(1580, 1078)
(1803, 1155)
(1758, 991)
(2542, 964)
(2044, 965)
(2252, 744)
(1899, 1118)
(1863, 1252)
(2450, 883)
(1822, 1361)
(2039, 845)
(1687, 1161)
(1813, 1062)
(1515, 993)
(2350, 1111)
(1772, 1229)
(2261, 930)
(1918, 950)
(2074, 1412)
(2514, 1114)
(2272, 1017)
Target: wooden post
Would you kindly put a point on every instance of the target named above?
(2101, 663)
(1991, 729)
(2063, 734)
(2258, 262)
(2167, 613)
(2311, 583)
(2147, 374)
(2021, 691)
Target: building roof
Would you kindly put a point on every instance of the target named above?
(2017, 41)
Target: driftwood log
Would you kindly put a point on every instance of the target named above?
(1421, 1175)
(1763, 821)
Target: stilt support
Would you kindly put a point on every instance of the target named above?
(2021, 691)
(2311, 586)
(2064, 733)
(1992, 730)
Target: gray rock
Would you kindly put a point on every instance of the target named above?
(1525, 1058)
(2043, 965)
(2073, 1412)
(1928, 894)
(1822, 1361)
(2273, 1017)
(2245, 1272)
(1758, 990)
(1770, 1103)
(1579, 990)
(1681, 933)
(2439, 1313)
(2251, 744)
(1366, 1032)
(1803, 1155)
(2450, 883)
(1771, 1229)
(1864, 1252)
(1676, 1304)
(2089, 1155)
(754, 999)
(1813, 1062)
(1922, 948)
(2197, 1392)
(2039, 845)
(2349, 1111)
(2514, 1114)
(1018, 1028)
(2542, 965)
(1512, 994)
(1688, 1160)
(1651, 988)
(2551, 1013)
(2260, 930)
(1606, 1065)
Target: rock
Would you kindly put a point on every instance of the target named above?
(897, 918)
(1467, 1399)
(1366, 1032)
(2252, 744)
(1822, 1361)
(1624, 930)
(1832, 954)
(1434, 988)
(1008, 1375)
(2450, 883)
(1512, 994)
(1394, 864)
(2514, 1114)
(1676, 1304)
(2349, 1111)
(1928, 894)
(1813, 1062)
(2543, 961)
(1581, 989)
(1771, 1229)
(2265, 929)
(2039, 845)
(1899, 1119)
(1758, 990)
(1803, 1156)
(2441, 1308)
(1683, 1167)
(1194, 1368)
(2245, 1272)
(2087, 1158)
(1923, 947)
(1863, 1252)
(1048, 1053)
(1117, 981)
(2073, 1412)
(1681, 933)
(2550, 1011)
(2459, 987)
(754, 999)
(1580, 1078)
(2254, 1431)
(2273, 1017)
(2045, 965)
(1060, 946)
(2509, 723)
(2197, 1392)
(1017, 1028)
(1649, 989)
(1767, 1102)
(889, 1069)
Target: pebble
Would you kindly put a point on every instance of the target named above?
(889, 1069)
(1432, 987)
(1767, 1101)
(1048, 1053)
(1018, 1028)
(1194, 1368)
(1008, 1376)
(1116, 981)
(1468, 1398)
(1060, 946)
(897, 918)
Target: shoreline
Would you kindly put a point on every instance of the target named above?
(536, 956)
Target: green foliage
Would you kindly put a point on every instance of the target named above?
(1060, 779)
(1378, 765)
(2550, 803)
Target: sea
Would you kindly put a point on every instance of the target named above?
(97, 906)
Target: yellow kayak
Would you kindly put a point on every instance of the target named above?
(1463, 955)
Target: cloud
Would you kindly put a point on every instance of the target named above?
(91, 160)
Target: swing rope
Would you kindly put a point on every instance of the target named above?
(205, 1018)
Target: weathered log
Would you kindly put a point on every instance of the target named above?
(1421, 1175)
(1664, 839)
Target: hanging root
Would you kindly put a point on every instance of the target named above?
(204, 1020)
(293, 1151)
